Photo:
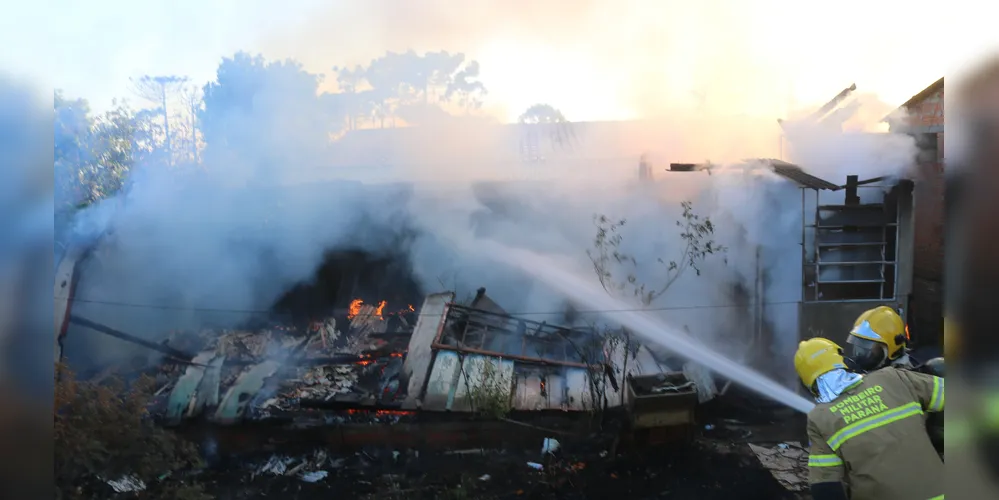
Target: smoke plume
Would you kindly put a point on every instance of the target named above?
(218, 244)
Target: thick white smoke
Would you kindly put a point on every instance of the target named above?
(188, 247)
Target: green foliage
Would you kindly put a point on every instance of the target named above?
(104, 431)
(696, 235)
(490, 394)
(94, 155)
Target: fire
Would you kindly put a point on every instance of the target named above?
(355, 308)
(411, 309)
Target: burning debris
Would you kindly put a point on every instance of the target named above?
(344, 384)
(279, 370)
(454, 359)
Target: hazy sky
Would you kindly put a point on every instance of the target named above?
(594, 59)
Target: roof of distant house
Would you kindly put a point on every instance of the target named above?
(923, 94)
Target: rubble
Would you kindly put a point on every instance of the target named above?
(127, 484)
(788, 462)
(364, 377)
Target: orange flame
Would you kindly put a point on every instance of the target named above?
(411, 309)
(355, 307)
(379, 310)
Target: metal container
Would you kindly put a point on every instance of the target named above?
(661, 400)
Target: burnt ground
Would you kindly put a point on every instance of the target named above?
(694, 471)
(713, 462)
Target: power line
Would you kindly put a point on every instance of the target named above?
(342, 311)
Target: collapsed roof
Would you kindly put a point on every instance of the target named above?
(442, 357)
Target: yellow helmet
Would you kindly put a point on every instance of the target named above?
(815, 357)
(878, 335)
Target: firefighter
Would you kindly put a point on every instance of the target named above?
(867, 436)
(880, 338)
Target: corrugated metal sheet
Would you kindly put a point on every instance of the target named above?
(419, 354)
(241, 393)
(443, 377)
(541, 388)
(532, 387)
(528, 392)
(480, 377)
(579, 394)
(645, 363)
(208, 389)
(187, 385)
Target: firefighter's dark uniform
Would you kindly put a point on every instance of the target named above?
(873, 438)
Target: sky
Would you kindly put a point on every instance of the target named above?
(593, 59)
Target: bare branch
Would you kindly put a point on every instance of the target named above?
(696, 232)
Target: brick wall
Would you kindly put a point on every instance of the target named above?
(926, 304)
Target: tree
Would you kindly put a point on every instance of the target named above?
(416, 87)
(72, 148)
(264, 114)
(466, 87)
(160, 90)
(544, 120)
(191, 99)
(349, 81)
(93, 155)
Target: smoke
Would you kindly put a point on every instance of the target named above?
(626, 59)
(220, 243)
(850, 141)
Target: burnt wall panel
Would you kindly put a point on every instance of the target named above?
(419, 355)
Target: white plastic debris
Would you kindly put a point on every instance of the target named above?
(276, 465)
(485, 477)
(127, 484)
(395, 455)
(535, 466)
(550, 445)
(313, 477)
(709, 427)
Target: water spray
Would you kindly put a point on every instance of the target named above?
(650, 328)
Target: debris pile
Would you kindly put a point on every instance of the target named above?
(278, 370)
(310, 469)
(788, 462)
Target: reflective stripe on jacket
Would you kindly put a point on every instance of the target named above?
(873, 437)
